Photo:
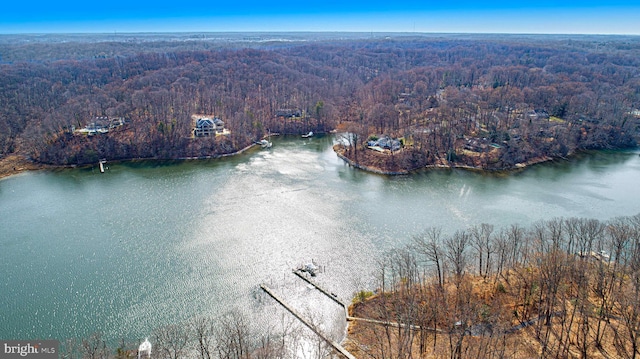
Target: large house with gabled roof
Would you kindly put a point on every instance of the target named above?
(207, 126)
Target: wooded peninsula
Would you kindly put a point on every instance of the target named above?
(399, 102)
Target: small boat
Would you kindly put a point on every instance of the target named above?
(310, 134)
(265, 143)
(310, 268)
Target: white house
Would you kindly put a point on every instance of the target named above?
(144, 351)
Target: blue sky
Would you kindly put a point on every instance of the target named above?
(108, 16)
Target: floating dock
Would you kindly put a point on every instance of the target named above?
(342, 351)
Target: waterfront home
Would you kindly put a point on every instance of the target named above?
(207, 126)
(289, 113)
(204, 127)
(101, 124)
(384, 143)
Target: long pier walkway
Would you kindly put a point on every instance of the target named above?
(324, 291)
(335, 345)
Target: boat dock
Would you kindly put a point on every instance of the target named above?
(102, 165)
(332, 296)
(335, 345)
(350, 318)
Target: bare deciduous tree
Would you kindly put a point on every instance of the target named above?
(456, 248)
(171, 341)
(481, 240)
(94, 347)
(429, 245)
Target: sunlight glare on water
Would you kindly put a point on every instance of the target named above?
(150, 243)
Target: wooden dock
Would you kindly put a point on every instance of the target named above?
(335, 345)
(350, 318)
(318, 287)
(323, 291)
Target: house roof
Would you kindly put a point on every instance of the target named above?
(204, 122)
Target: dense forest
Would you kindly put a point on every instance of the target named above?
(562, 288)
(486, 102)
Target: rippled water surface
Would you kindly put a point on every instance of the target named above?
(148, 243)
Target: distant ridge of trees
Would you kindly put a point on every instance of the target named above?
(482, 102)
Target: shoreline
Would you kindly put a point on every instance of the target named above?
(368, 168)
(517, 167)
(15, 164)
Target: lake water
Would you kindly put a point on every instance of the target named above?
(148, 243)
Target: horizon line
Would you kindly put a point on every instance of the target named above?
(116, 32)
